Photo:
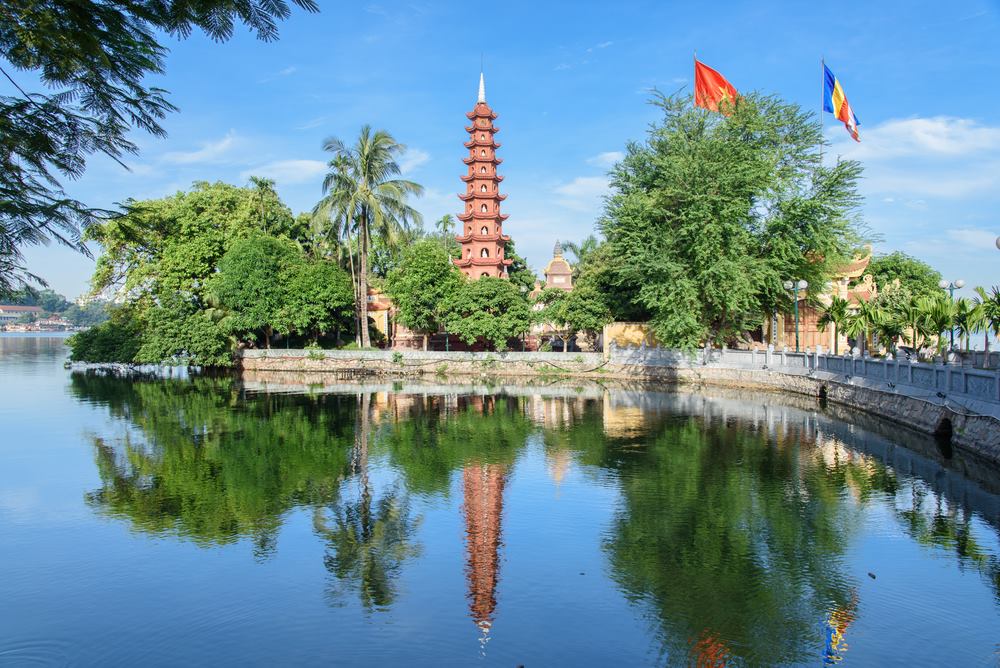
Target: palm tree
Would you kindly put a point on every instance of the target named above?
(265, 192)
(582, 251)
(367, 541)
(912, 315)
(863, 322)
(372, 199)
(990, 317)
(332, 215)
(938, 318)
(835, 314)
(967, 320)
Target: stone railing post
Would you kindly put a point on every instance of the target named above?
(769, 356)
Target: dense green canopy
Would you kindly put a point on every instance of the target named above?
(90, 59)
(712, 213)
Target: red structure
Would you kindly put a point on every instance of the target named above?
(482, 239)
(483, 488)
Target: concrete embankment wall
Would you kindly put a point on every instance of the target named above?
(959, 402)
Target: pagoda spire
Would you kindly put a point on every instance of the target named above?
(482, 239)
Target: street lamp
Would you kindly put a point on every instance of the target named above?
(796, 286)
(951, 286)
(998, 243)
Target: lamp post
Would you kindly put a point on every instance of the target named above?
(998, 243)
(794, 287)
(951, 286)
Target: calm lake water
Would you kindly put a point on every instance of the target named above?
(195, 520)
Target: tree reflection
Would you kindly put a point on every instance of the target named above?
(367, 544)
(196, 461)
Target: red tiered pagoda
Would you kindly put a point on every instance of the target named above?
(483, 241)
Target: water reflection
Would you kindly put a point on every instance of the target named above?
(733, 517)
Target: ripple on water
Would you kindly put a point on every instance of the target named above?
(36, 652)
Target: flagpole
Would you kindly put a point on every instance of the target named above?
(822, 105)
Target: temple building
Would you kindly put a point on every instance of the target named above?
(558, 273)
(482, 240)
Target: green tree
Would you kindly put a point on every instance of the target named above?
(176, 331)
(918, 277)
(989, 317)
(115, 341)
(91, 59)
(88, 315)
(445, 226)
(518, 272)
(938, 318)
(968, 318)
(249, 285)
(713, 212)
(582, 252)
(420, 286)
(835, 314)
(51, 301)
(492, 309)
(363, 186)
(318, 297)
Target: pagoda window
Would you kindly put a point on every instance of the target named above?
(482, 209)
(484, 253)
(483, 188)
(482, 169)
(484, 275)
(482, 136)
(468, 252)
(482, 152)
(484, 231)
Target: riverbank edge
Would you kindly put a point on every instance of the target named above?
(959, 424)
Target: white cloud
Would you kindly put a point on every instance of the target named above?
(945, 136)
(604, 45)
(584, 193)
(937, 157)
(313, 123)
(412, 159)
(287, 172)
(606, 160)
(209, 152)
(974, 238)
(562, 66)
(291, 69)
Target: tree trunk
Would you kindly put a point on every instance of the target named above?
(986, 352)
(425, 341)
(354, 283)
(366, 341)
(267, 338)
(836, 340)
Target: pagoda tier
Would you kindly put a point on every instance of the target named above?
(486, 143)
(482, 239)
(481, 216)
(465, 197)
(491, 177)
(472, 128)
(489, 159)
(481, 262)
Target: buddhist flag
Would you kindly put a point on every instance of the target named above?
(711, 88)
(836, 103)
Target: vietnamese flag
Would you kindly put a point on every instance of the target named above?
(711, 88)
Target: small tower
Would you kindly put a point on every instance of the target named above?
(482, 239)
(558, 273)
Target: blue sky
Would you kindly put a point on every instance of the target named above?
(570, 84)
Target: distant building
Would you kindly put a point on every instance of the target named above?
(558, 273)
(11, 313)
